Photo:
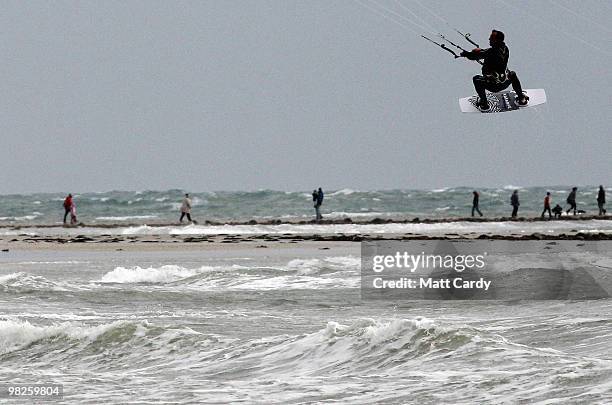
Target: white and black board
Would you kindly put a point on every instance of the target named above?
(503, 101)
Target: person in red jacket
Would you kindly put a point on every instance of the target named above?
(547, 205)
(67, 206)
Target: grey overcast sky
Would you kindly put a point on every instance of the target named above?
(288, 95)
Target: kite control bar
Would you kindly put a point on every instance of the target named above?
(453, 44)
(467, 37)
(447, 49)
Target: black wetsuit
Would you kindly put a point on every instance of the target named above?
(475, 204)
(514, 201)
(495, 75)
(571, 200)
(601, 201)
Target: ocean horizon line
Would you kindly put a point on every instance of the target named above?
(328, 190)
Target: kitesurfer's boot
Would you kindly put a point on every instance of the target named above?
(483, 105)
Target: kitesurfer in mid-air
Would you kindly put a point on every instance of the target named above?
(495, 75)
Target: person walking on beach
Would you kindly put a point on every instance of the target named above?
(67, 206)
(571, 200)
(547, 205)
(315, 196)
(601, 200)
(514, 201)
(186, 209)
(317, 204)
(475, 203)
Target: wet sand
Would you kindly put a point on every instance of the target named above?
(223, 240)
(215, 242)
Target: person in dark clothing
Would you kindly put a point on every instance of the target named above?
(315, 196)
(318, 203)
(558, 210)
(67, 206)
(514, 201)
(495, 74)
(601, 200)
(547, 205)
(475, 203)
(571, 200)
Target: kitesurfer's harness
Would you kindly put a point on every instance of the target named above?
(497, 77)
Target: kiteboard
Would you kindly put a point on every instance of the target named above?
(503, 101)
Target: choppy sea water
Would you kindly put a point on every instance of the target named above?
(163, 206)
(284, 325)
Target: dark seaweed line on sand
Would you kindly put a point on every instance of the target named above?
(293, 238)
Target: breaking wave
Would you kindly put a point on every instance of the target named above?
(22, 282)
(330, 272)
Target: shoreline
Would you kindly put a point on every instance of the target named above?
(348, 220)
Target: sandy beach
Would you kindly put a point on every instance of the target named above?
(152, 240)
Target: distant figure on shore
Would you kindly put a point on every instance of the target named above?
(547, 205)
(67, 206)
(558, 210)
(475, 203)
(73, 216)
(601, 200)
(514, 201)
(571, 200)
(317, 197)
(186, 209)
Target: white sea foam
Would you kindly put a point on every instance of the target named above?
(16, 334)
(344, 191)
(301, 282)
(195, 201)
(22, 218)
(163, 274)
(330, 272)
(342, 214)
(512, 187)
(337, 347)
(175, 206)
(314, 266)
(127, 218)
(139, 230)
(351, 229)
(22, 282)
